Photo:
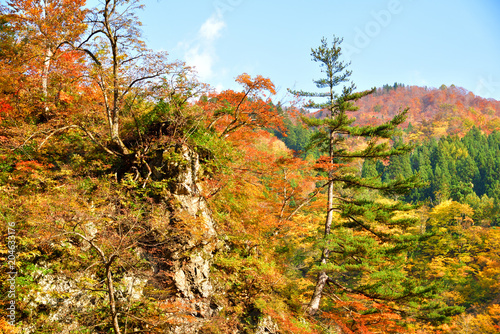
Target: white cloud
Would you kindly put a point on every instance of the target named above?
(219, 87)
(202, 59)
(210, 30)
(201, 52)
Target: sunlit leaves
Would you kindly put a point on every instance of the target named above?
(228, 111)
(41, 64)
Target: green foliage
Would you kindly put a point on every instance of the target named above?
(462, 169)
(365, 245)
(456, 256)
(296, 137)
(396, 85)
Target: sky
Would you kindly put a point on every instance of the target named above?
(414, 42)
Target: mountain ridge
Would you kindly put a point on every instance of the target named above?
(432, 111)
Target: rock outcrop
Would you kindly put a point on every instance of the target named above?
(179, 264)
(185, 262)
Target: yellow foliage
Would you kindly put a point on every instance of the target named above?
(451, 212)
(6, 328)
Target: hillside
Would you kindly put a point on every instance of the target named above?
(432, 111)
(136, 199)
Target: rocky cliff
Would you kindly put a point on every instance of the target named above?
(178, 253)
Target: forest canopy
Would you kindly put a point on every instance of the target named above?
(136, 198)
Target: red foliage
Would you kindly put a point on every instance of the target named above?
(5, 109)
(230, 111)
(31, 165)
(453, 108)
(352, 318)
(324, 164)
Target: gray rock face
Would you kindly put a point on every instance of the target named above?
(267, 326)
(192, 255)
(180, 270)
(50, 287)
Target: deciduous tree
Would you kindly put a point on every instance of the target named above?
(122, 67)
(251, 108)
(43, 31)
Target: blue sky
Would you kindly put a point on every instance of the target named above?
(415, 42)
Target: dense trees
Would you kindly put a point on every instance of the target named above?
(37, 53)
(432, 112)
(103, 142)
(461, 215)
(462, 169)
(122, 67)
(296, 135)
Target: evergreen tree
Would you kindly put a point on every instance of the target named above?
(442, 175)
(464, 170)
(363, 250)
(296, 136)
(462, 183)
(421, 165)
(369, 169)
(399, 165)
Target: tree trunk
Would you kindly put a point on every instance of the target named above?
(113, 106)
(109, 281)
(318, 293)
(46, 67)
(322, 276)
(115, 132)
(45, 78)
(111, 295)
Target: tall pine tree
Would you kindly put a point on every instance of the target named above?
(363, 249)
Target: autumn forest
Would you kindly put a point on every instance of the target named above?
(135, 198)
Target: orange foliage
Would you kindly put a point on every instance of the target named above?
(6, 328)
(5, 109)
(259, 83)
(259, 201)
(324, 163)
(352, 317)
(46, 66)
(229, 111)
(455, 108)
(31, 165)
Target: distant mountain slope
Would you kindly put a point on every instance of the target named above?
(433, 111)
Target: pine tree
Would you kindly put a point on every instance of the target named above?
(356, 240)
(399, 165)
(421, 165)
(369, 169)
